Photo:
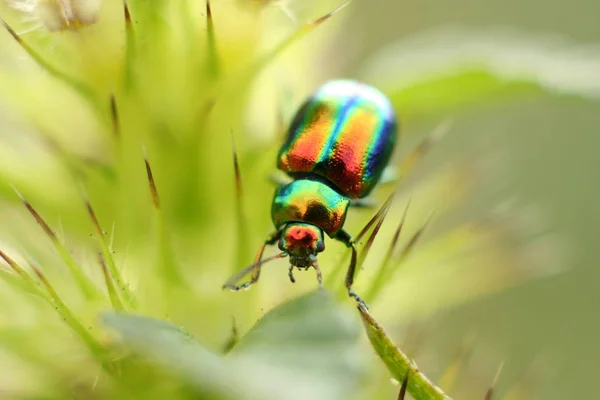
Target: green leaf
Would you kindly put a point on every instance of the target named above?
(306, 348)
(311, 342)
(441, 71)
(20, 284)
(398, 363)
(175, 349)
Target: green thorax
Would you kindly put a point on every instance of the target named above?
(310, 200)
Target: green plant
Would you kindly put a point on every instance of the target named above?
(129, 99)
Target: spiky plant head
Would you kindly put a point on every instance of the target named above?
(120, 118)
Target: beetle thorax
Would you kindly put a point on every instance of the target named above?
(302, 242)
(310, 200)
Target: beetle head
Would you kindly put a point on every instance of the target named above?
(302, 242)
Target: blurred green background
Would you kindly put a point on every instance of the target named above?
(537, 153)
(551, 147)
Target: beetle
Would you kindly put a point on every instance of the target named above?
(338, 144)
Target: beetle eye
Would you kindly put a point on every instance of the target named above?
(280, 245)
(320, 246)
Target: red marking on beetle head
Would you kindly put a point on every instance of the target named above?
(301, 241)
(301, 236)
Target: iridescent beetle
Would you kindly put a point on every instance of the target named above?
(338, 145)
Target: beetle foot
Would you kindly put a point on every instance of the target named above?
(360, 302)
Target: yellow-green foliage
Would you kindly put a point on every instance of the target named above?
(88, 96)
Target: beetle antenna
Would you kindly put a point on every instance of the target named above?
(255, 268)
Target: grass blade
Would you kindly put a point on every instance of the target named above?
(129, 48)
(402, 392)
(112, 293)
(367, 246)
(242, 227)
(383, 271)
(22, 279)
(85, 284)
(214, 67)
(114, 116)
(419, 152)
(107, 256)
(490, 392)
(233, 339)
(166, 259)
(55, 301)
(335, 273)
(79, 87)
(399, 365)
(452, 372)
(298, 34)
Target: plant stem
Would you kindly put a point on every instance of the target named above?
(398, 363)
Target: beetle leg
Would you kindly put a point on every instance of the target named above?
(255, 268)
(363, 203)
(319, 276)
(291, 274)
(350, 278)
(272, 239)
(315, 264)
(279, 178)
(345, 238)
